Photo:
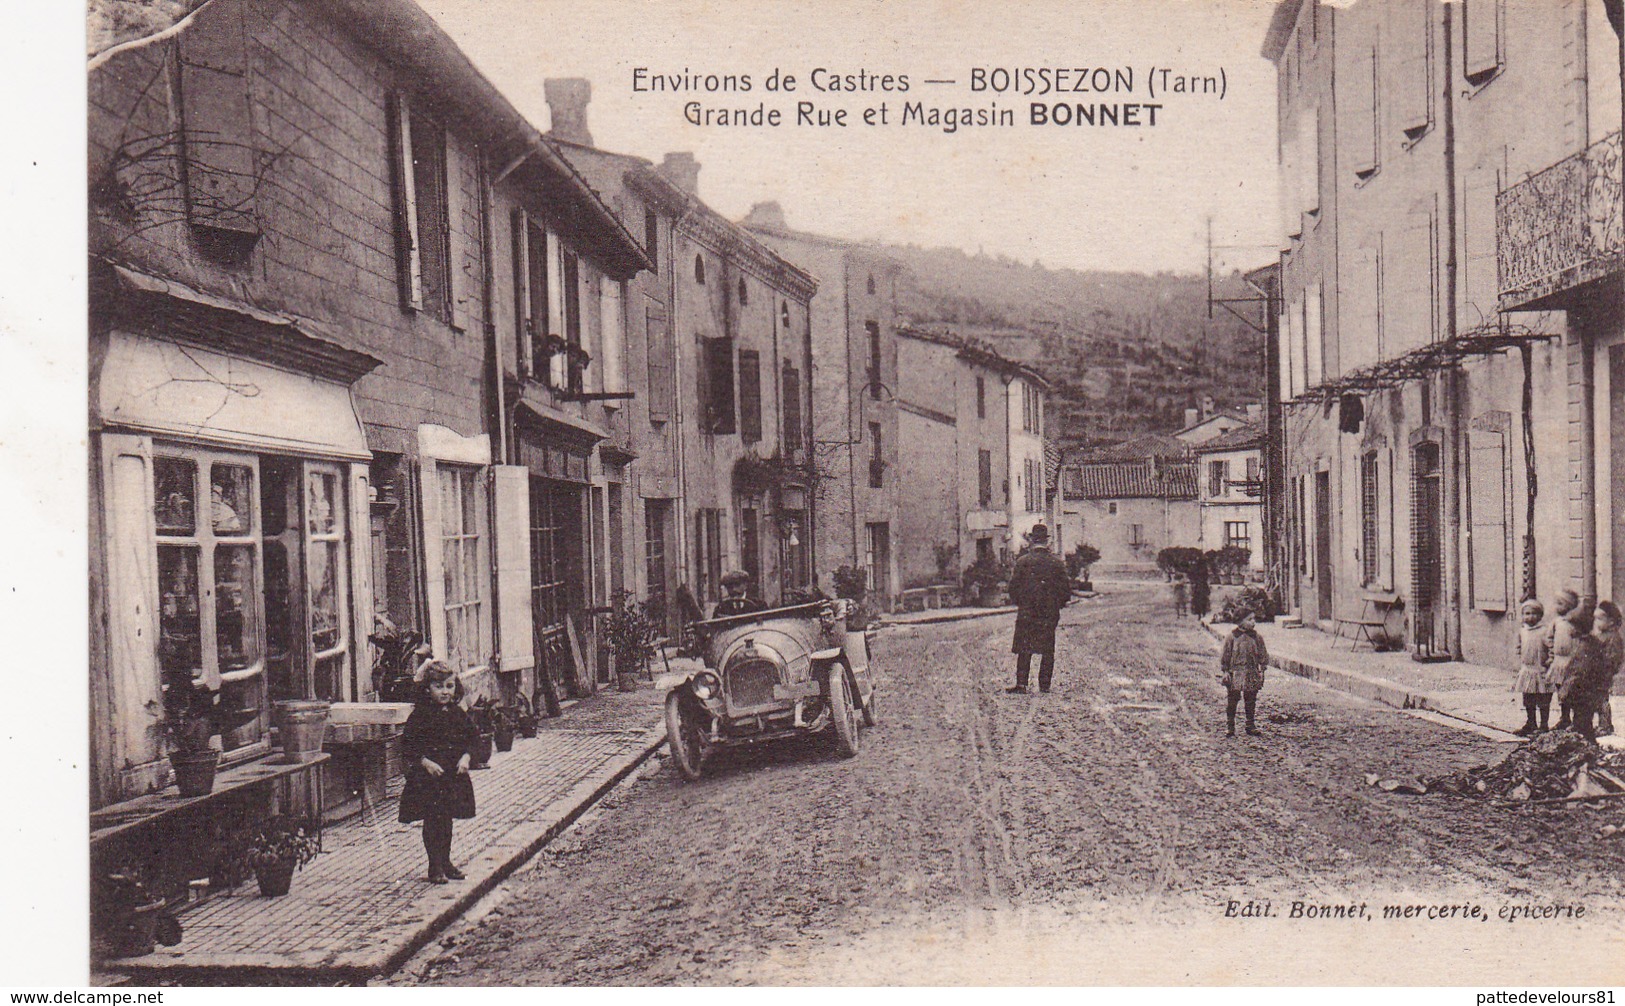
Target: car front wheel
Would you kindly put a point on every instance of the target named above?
(843, 713)
(684, 737)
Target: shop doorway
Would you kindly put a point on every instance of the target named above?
(558, 582)
(1323, 542)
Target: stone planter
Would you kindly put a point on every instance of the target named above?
(301, 726)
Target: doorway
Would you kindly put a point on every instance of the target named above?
(1323, 543)
(1427, 559)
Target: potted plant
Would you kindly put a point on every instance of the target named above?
(524, 717)
(274, 848)
(1078, 562)
(982, 580)
(484, 718)
(502, 728)
(632, 634)
(852, 584)
(189, 725)
(126, 911)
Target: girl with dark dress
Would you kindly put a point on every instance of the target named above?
(437, 746)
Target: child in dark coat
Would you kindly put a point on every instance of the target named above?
(1241, 669)
(1609, 624)
(437, 747)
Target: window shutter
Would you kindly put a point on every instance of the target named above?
(218, 135)
(433, 574)
(659, 349)
(521, 291)
(612, 341)
(718, 394)
(1481, 36)
(793, 435)
(510, 489)
(750, 395)
(1360, 129)
(361, 587)
(407, 269)
(1314, 361)
(1309, 155)
(132, 714)
(1411, 89)
(558, 368)
(1487, 484)
(1291, 210)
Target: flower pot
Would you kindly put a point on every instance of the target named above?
(301, 725)
(527, 726)
(136, 934)
(275, 879)
(502, 737)
(194, 771)
(482, 752)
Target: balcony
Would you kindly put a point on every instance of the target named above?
(1560, 229)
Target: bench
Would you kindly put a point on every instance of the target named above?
(923, 598)
(281, 781)
(1370, 624)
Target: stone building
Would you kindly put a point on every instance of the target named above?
(858, 507)
(971, 454)
(1230, 492)
(312, 400)
(1450, 299)
(1130, 501)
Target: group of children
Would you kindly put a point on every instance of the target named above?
(1575, 657)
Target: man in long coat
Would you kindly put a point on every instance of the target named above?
(1040, 587)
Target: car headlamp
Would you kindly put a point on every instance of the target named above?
(705, 685)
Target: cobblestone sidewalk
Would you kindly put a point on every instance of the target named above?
(364, 905)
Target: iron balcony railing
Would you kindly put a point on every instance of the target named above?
(1561, 227)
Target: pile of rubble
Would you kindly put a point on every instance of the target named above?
(1557, 765)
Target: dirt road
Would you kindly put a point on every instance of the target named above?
(1106, 832)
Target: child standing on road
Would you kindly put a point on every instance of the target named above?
(1533, 655)
(1560, 650)
(437, 746)
(1241, 669)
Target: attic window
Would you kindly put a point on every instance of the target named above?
(784, 313)
(699, 269)
(871, 283)
(744, 295)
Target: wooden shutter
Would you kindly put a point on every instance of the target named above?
(750, 395)
(612, 338)
(1481, 37)
(1409, 71)
(521, 291)
(218, 134)
(1314, 361)
(510, 496)
(659, 350)
(361, 586)
(1359, 123)
(1309, 159)
(718, 389)
(133, 714)
(793, 438)
(408, 274)
(1486, 474)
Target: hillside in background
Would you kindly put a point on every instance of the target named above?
(1127, 353)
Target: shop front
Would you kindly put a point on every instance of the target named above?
(230, 489)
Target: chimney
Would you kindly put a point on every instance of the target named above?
(683, 171)
(768, 215)
(1190, 418)
(567, 99)
(1207, 407)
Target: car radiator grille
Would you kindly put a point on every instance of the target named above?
(750, 683)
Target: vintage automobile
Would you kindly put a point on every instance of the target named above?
(766, 675)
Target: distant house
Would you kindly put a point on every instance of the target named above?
(1130, 501)
(1230, 492)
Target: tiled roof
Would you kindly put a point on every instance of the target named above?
(1238, 439)
(1130, 480)
(1140, 448)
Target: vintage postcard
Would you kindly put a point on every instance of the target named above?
(1094, 493)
